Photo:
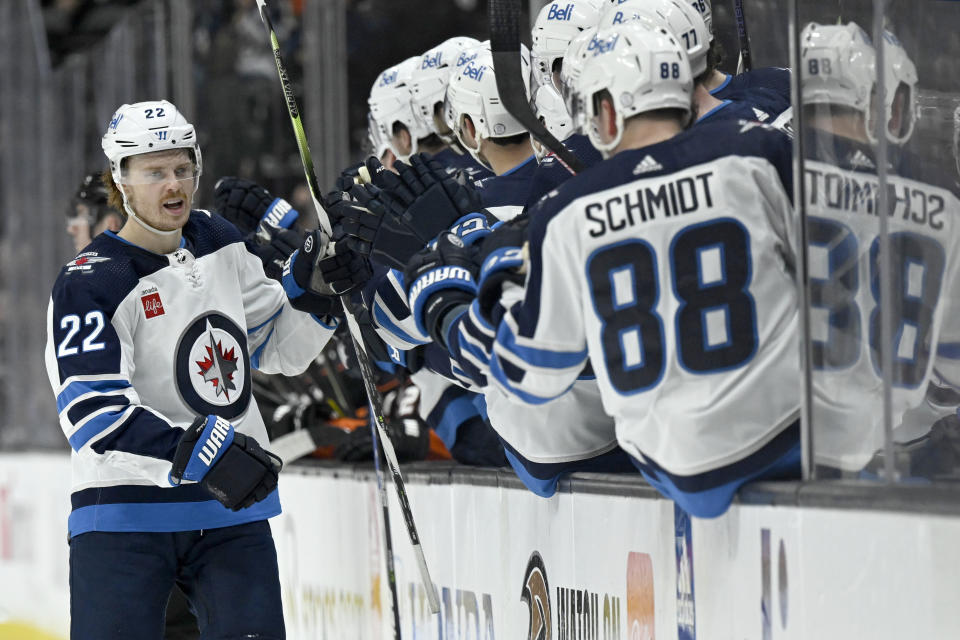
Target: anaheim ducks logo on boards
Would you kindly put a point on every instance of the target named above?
(536, 593)
(213, 367)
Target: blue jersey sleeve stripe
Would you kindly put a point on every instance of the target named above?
(95, 426)
(455, 413)
(142, 433)
(255, 356)
(266, 322)
(83, 408)
(78, 388)
(497, 372)
(385, 323)
(538, 357)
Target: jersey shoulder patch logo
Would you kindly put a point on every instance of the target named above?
(84, 262)
(213, 367)
(762, 116)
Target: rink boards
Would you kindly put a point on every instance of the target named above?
(603, 559)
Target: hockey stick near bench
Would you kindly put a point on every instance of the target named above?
(366, 369)
(505, 45)
(745, 60)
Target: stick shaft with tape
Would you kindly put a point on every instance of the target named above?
(366, 368)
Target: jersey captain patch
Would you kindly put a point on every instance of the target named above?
(213, 367)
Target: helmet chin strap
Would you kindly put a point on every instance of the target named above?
(143, 223)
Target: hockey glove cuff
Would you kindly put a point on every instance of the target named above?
(440, 280)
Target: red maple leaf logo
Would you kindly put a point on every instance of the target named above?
(218, 369)
(80, 261)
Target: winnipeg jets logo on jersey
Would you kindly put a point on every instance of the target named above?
(84, 262)
(213, 367)
(219, 366)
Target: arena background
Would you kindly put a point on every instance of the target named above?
(867, 558)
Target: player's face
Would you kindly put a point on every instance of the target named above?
(78, 227)
(159, 187)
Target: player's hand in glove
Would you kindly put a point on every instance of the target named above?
(313, 277)
(440, 280)
(231, 466)
(265, 221)
(250, 207)
(408, 210)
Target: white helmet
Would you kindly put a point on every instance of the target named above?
(390, 103)
(703, 7)
(378, 132)
(678, 17)
(556, 25)
(428, 82)
(899, 72)
(147, 127)
(550, 110)
(643, 69)
(838, 67)
(573, 60)
(473, 92)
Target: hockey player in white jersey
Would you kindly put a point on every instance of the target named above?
(688, 25)
(152, 335)
(838, 93)
(669, 267)
(428, 89)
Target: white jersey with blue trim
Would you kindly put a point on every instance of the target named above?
(670, 268)
(841, 190)
(139, 344)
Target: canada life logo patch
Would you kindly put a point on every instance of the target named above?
(152, 305)
(213, 367)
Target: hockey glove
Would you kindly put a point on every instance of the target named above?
(439, 280)
(280, 246)
(312, 278)
(408, 210)
(249, 206)
(231, 466)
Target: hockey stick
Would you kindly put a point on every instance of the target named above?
(505, 46)
(382, 494)
(745, 60)
(366, 369)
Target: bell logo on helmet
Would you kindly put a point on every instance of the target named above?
(556, 13)
(115, 121)
(388, 78)
(464, 58)
(474, 72)
(598, 46)
(618, 18)
(432, 62)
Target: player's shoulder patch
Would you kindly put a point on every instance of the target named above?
(84, 262)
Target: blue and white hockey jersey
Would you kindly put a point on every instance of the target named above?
(453, 161)
(739, 87)
(139, 344)
(670, 268)
(843, 230)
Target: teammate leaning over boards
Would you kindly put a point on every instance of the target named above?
(428, 88)
(557, 25)
(687, 24)
(162, 495)
(838, 93)
(669, 266)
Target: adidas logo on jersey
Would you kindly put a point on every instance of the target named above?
(762, 116)
(647, 165)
